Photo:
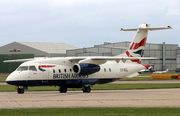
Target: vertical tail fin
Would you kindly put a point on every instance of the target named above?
(136, 48)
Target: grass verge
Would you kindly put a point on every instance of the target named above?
(8, 88)
(144, 79)
(91, 112)
(2, 79)
(137, 79)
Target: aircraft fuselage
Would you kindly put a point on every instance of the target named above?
(59, 72)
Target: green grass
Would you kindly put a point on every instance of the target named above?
(3, 75)
(2, 79)
(144, 79)
(145, 74)
(149, 74)
(91, 112)
(136, 79)
(8, 88)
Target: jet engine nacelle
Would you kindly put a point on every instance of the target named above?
(85, 68)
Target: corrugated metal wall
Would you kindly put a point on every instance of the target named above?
(151, 50)
(10, 67)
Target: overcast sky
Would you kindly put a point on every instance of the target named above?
(85, 23)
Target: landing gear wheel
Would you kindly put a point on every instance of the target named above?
(87, 89)
(20, 90)
(62, 89)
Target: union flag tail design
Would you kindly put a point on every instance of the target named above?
(136, 48)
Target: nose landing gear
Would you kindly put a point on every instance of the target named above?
(20, 89)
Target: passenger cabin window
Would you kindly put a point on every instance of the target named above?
(104, 70)
(22, 68)
(64, 70)
(59, 70)
(32, 68)
(70, 70)
(53, 71)
(109, 70)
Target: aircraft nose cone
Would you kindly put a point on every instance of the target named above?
(7, 81)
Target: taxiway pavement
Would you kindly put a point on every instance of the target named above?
(97, 98)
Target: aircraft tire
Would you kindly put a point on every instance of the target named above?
(87, 89)
(20, 91)
(62, 89)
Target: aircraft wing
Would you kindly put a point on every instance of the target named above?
(112, 58)
(23, 60)
(93, 60)
(19, 60)
(102, 60)
(123, 58)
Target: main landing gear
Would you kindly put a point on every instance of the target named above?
(86, 89)
(20, 89)
(62, 89)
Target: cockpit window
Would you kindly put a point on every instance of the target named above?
(22, 68)
(32, 68)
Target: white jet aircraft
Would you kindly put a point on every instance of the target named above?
(161, 72)
(82, 72)
(145, 70)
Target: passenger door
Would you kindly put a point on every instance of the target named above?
(45, 72)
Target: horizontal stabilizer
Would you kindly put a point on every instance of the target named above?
(147, 28)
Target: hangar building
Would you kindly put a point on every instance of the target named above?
(22, 50)
(169, 54)
(39, 49)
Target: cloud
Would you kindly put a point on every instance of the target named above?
(81, 22)
(173, 8)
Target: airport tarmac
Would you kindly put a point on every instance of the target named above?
(97, 98)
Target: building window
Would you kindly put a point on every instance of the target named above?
(18, 50)
(15, 50)
(11, 50)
